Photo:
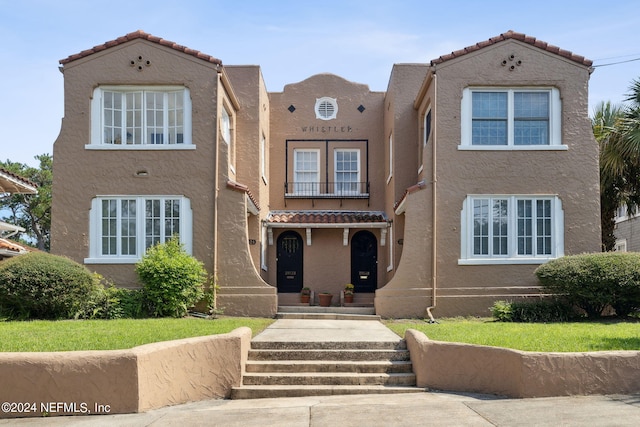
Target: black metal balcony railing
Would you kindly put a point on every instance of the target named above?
(326, 190)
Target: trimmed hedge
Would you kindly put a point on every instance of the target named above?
(593, 282)
(540, 310)
(173, 281)
(39, 285)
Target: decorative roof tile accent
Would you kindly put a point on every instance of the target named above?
(12, 183)
(415, 187)
(515, 36)
(243, 189)
(145, 36)
(325, 217)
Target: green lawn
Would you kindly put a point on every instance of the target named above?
(66, 335)
(562, 337)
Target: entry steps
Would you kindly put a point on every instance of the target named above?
(295, 369)
(327, 313)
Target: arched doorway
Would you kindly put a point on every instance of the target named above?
(289, 262)
(364, 261)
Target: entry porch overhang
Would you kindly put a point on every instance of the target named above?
(345, 220)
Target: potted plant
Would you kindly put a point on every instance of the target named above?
(324, 299)
(305, 294)
(348, 293)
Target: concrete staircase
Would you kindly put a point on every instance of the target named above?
(320, 368)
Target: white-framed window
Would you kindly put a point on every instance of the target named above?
(263, 158)
(140, 117)
(225, 126)
(427, 127)
(621, 245)
(391, 244)
(347, 171)
(306, 172)
(511, 229)
(390, 159)
(122, 228)
(511, 118)
(263, 249)
(326, 108)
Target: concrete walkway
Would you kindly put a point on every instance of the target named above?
(414, 409)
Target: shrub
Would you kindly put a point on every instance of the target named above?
(172, 279)
(44, 286)
(110, 302)
(594, 281)
(540, 310)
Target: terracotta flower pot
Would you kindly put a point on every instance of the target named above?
(304, 299)
(325, 299)
(348, 298)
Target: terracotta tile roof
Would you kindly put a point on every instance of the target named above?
(516, 36)
(8, 247)
(243, 189)
(325, 217)
(12, 183)
(419, 186)
(141, 35)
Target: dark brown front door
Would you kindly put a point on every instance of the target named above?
(364, 261)
(289, 262)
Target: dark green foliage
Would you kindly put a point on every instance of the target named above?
(593, 282)
(539, 311)
(172, 279)
(109, 302)
(43, 286)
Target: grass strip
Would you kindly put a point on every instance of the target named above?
(545, 337)
(70, 335)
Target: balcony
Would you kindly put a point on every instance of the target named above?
(326, 190)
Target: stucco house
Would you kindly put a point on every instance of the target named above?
(11, 183)
(438, 196)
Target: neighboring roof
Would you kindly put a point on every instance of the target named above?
(515, 36)
(145, 36)
(12, 183)
(326, 217)
(9, 248)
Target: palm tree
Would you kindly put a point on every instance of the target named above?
(617, 130)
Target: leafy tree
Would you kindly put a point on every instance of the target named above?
(617, 130)
(31, 211)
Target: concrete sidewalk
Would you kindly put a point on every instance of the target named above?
(413, 409)
(416, 409)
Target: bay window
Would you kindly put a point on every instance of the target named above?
(511, 229)
(122, 228)
(126, 117)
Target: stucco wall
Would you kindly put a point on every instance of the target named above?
(481, 369)
(80, 174)
(135, 380)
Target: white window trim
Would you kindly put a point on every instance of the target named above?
(390, 159)
(391, 244)
(97, 117)
(621, 245)
(263, 159)
(263, 249)
(95, 229)
(555, 120)
(466, 229)
(335, 170)
(295, 181)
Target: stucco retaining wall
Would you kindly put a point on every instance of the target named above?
(481, 369)
(122, 381)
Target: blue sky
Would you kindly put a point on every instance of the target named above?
(359, 40)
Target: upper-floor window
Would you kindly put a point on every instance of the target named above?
(511, 229)
(122, 228)
(511, 118)
(140, 117)
(347, 171)
(306, 172)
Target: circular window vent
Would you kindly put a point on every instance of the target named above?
(326, 108)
